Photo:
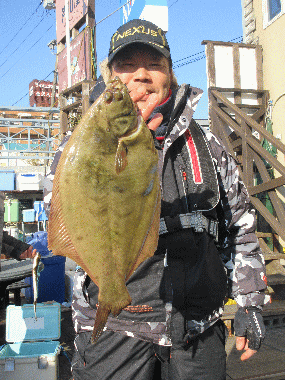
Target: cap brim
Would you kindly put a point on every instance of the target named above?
(161, 49)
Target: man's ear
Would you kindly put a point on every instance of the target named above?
(174, 83)
(105, 70)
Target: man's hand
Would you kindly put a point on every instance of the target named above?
(149, 105)
(249, 330)
(242, 344)
(28, 253)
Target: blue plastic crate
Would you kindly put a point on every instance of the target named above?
(29, 215)
(51, 286)
(52, 279)
(7, 180)
(40, 211)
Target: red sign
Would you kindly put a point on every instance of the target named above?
(77, 9)
(40, 93)
(79, 60)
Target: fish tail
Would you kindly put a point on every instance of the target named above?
(104, 309)
(102, 314)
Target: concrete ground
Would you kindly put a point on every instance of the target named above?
(267, 363)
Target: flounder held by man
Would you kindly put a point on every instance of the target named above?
(105, 206)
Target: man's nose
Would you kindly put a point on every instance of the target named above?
(142, 74)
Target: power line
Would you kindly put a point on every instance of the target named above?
(22, 42)
(21, 28)
(196, 55)
(114, 12)
(192, 55)
(42, 36)
(173, 3)
(26, 51)
(191, 61)
(28, 91)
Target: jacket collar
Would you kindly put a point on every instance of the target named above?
(186, 101)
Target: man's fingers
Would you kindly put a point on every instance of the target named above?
(149, 106)
(28, 253)
(137, 94)
(155, 122)
(247, 354)
(240, 342)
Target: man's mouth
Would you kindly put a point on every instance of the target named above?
(147, 94)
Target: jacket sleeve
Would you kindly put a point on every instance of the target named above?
(13, 247)
(9, 246)
(239, 245)
(48, 180)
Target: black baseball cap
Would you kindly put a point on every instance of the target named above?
(139, 31)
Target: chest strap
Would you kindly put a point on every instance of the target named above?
(195, 220)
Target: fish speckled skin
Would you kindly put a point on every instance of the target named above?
(105, 205)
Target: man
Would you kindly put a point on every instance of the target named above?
(180, 291)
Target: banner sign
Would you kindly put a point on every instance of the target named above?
(155, 11)
(80, 62)
(77, 9)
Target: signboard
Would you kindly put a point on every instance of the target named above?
(79, 59)
(155, 11)
(40, 92)
(77, 9)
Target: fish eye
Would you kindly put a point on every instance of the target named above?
(108, 96)
(118, 95)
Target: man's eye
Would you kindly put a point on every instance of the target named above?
(156, 65)
(127, 64)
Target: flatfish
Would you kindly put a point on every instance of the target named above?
(105, 206)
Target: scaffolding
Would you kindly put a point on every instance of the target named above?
(28, 139)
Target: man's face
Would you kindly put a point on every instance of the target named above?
(142, 67)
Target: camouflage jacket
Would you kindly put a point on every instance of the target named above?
(239, 248)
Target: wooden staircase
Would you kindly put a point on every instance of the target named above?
(80, 95)
(275, 270)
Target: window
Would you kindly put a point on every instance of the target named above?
(272, 10)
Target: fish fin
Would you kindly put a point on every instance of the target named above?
(102, 314)
(121, 160)
(150, 243)
(59, 241)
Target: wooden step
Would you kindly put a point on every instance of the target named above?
(77, 88)
(275, 273)
(71, 106)
(273, 256)
(275, 279)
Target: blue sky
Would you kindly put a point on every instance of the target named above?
(26, 28)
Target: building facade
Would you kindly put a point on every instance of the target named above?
(264, 24)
